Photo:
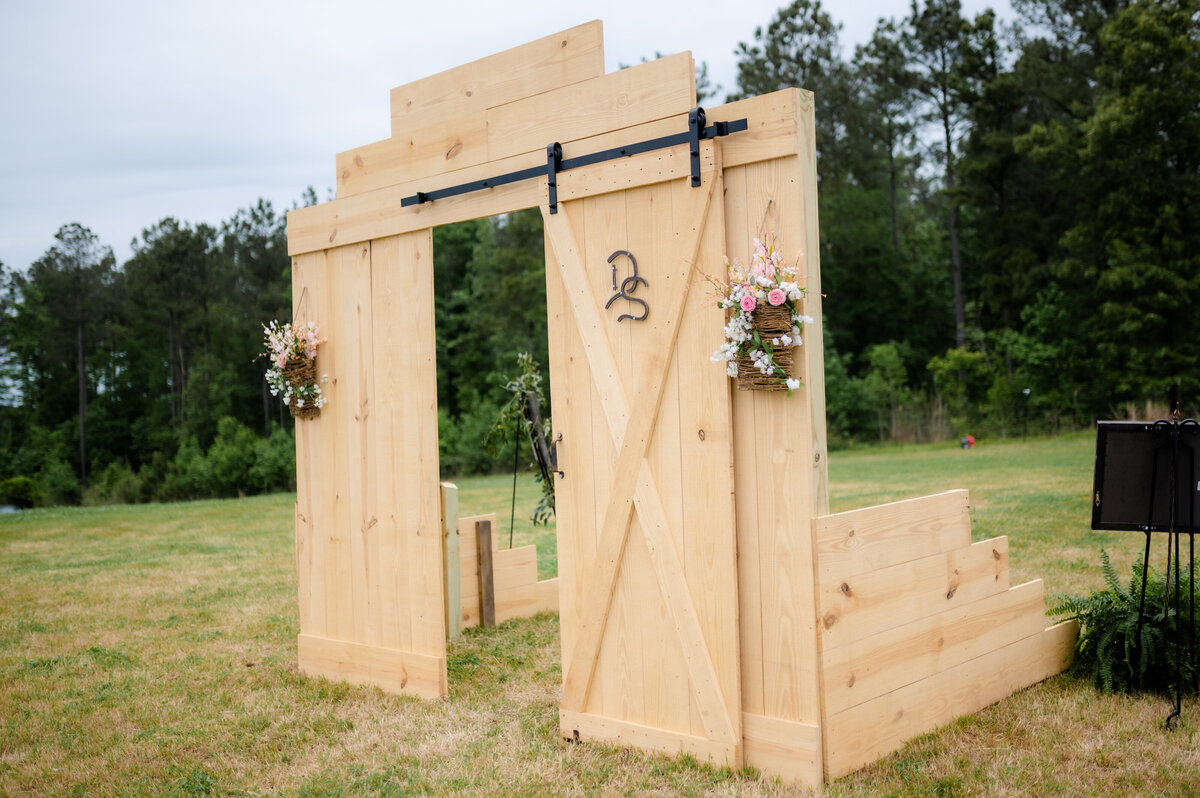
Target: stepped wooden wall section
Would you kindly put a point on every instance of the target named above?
(918, 625)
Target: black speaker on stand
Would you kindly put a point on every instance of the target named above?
(1147, 480)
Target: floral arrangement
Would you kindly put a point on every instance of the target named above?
(765, 322)
(292, 352)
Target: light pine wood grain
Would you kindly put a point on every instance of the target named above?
(422, 151)
(372, 208)
(861, 541)
(784, 748)
(906, 653)
(862, 605)
(389, 669)
(863, 733)
(551, 62)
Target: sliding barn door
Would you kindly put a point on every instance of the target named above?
(646, 537)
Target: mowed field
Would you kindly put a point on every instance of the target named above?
(150, 650)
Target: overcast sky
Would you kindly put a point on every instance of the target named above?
(117, 113)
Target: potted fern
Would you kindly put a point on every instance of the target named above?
(1110, 648)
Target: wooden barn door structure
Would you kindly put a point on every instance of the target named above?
(709, 602)
(648, 565)
(659, 568)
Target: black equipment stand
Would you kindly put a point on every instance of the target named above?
(1173, 555)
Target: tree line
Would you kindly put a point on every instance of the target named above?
(1009, 243)
(1010, 215)
(140, 381)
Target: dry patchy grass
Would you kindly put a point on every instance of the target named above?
(151, 651)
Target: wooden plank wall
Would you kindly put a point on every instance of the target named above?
(368, 509)
(918, 625)
(779, 447)
(369, 550)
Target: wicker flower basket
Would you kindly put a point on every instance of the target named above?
(301, 371)
(771, 322)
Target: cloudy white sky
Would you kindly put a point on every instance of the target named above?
(118, 113)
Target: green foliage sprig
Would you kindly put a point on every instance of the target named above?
(1109, 647)
(511, 425)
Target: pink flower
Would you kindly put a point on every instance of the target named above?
(748, 303)
(776, 297)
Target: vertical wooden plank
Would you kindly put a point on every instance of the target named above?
(618, 677)
(745, 455)
(308, 281)
(790, 649)
(639, 618)
(777, 476)
(575, 417)
(340, 346)
(812, 354)
(651, 238)
(395, 515)
(706, 443)
(487, 590)
(567, 423)
(451, 560)
(420, 482)
(468, 571)
(357, 373)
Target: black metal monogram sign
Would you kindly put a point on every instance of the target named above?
(628, 286)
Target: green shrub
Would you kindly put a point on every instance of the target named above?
(128, 489)
(461, 442)
(20, 492)
(274, 466)
(59, 482)
(231, 457)
(151, 476)
(189, 476)
(1108, 646)
(116, 484)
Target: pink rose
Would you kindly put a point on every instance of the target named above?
(776, 297)
(748, 303)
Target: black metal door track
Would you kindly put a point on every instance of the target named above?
(555, 163)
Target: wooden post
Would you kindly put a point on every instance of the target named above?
(453, 590)
(487, 594)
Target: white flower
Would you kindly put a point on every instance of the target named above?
(793, 383)
(732, 368)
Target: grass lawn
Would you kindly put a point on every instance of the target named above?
(150, 650)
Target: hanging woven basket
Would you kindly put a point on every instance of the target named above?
(301, 371)
(771, 322)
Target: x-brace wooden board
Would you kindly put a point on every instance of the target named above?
(631, 425)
